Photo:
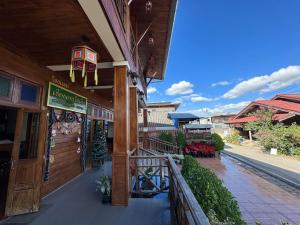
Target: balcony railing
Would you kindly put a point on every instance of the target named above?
(152, 174)
(159, 146)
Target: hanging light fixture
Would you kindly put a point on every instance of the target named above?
(148, 6)
(151, 40)
(84, 59)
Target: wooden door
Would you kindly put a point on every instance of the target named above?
(27, 159)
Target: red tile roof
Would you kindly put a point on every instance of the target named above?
(290, 96)
(280, 104)
(247, 119)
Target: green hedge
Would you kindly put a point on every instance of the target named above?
(218, 142)
(210, 192)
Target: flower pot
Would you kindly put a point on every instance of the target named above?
(106, 199)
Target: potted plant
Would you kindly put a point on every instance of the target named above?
(104, 186)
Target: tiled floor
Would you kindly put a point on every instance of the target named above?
(78, 203)
(260, 198)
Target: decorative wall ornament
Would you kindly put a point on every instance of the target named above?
(84, 59)
(65, 123)
(84, 141)
(51, 121)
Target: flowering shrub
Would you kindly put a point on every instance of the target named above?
(200, 150)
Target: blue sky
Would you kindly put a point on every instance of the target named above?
(225, 53)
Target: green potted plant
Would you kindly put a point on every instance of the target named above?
(104, 186)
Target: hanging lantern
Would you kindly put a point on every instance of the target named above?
(84, 59)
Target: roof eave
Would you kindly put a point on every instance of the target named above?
(169, 38)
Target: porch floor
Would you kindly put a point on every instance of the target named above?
(78, 203)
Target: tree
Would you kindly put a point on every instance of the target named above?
(99, 146)
(271, 135)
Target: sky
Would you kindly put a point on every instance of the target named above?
(227, 53)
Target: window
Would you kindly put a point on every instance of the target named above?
(29, 93)
(5, 87)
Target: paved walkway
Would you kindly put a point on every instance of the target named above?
(78, 203)
(284, 167)
(260, 198)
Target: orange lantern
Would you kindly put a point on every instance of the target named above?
(84, 59)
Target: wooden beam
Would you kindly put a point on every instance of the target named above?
(133, 118)
(103, 65)
(120, 160)
(99, 87)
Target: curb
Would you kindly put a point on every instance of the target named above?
(258, 167)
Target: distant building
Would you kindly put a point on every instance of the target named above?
(157, 115)
(286, 108)
(180, 119)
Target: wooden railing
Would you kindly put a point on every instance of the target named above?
(158, 146)
(149, 173)
(185, 209)
(152, 174)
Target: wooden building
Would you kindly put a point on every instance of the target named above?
(47, 121)
(285, 107)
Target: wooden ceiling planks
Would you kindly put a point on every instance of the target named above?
(47, 30)
(153, 57)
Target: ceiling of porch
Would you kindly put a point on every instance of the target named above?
(154, 58)
(46, 31)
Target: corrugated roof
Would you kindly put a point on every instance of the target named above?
(198, 126)
(183, 116)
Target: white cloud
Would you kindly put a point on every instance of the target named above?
(266, 83)
(200, 99)
(181, 88)
(151, 90)
(224, 109)
(221, 83)
(193, 98)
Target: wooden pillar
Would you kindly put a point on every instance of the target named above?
(133, 118)
(145, 117)
(120, 170)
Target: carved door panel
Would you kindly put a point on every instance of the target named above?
(27, 159)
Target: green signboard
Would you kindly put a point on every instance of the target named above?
(59, 97)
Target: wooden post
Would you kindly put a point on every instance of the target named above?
(250, 135)
(120, 161)
(133, 119)
(145, 116)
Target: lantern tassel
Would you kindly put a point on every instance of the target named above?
(85, 80)
(96, 77)
(73, 76)
(71, 69)
(83, 70)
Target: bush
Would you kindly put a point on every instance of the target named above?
(181, 140)
(233, 138)
(167, 137)
(218, 142)
(296, 152)
(215, 199)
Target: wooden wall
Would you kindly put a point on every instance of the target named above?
(66, 160)
(66, 164)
